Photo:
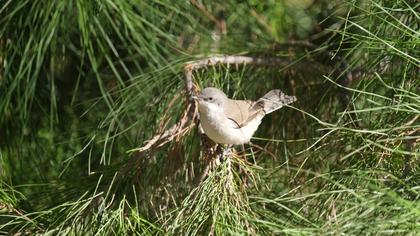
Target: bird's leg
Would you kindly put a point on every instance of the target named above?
(226, 151)
(219, 150)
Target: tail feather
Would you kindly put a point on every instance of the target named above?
(274, 100)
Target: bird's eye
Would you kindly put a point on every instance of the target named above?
(210, 98)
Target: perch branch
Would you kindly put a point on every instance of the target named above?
(238, 60)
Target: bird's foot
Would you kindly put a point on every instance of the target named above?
(224, 152)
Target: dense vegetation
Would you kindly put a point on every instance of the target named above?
(85, 84)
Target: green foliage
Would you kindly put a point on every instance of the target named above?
(84, 84)
(217, 206)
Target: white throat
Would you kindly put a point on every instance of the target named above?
(210, 109)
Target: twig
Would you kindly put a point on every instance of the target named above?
(239, 60)
(167, 136)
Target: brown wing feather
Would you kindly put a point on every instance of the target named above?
(242, 111)
(274, 100)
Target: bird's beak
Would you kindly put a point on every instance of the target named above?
(194, 97)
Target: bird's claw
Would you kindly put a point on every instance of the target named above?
(225, 152)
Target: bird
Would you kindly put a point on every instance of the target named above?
(232, 122)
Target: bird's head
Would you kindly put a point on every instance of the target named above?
(210, 99)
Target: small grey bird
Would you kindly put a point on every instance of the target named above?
(229, 121)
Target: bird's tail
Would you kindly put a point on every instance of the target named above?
(274, 100)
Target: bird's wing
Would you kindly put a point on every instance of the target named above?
(274, 100)
(241, 112)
